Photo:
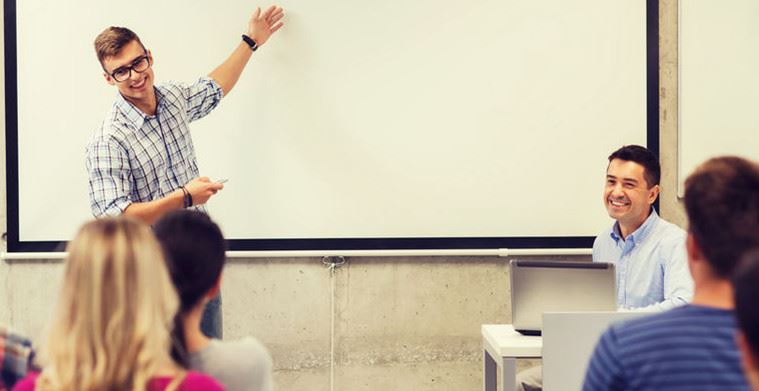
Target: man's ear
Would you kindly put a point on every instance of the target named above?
(653, 193)
(693, 249)
(109, 79)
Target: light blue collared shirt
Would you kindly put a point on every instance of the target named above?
(651, 264)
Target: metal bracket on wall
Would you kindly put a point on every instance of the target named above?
(333, 262)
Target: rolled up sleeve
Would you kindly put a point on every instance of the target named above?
(109, 178)
(201, 97)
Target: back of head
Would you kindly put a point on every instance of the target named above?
(746, 291)
(111, 40)
(194, 247)
(722, 203)
(642, 156)
(111, 330)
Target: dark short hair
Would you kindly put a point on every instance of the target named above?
(642, 156)
(746, 290)
(722, 203)
(110, 42)
(194, 248)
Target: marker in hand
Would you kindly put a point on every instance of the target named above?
(221, 180)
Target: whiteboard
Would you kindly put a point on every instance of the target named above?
(719, 84)
(359, 119)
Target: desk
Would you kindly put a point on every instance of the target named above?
(502, 345)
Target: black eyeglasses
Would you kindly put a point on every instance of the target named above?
(139, 65)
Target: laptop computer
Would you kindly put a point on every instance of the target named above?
(568, 342)
(558, 286)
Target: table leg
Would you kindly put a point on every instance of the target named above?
(509, 373)
(489, 373)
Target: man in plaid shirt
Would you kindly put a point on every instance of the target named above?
(16, 355)
(141, 161)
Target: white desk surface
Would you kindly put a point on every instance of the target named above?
(501, 340)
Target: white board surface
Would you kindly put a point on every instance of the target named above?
(358, 119)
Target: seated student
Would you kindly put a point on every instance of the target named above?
(16, 358)
(692, 347)
(746, 287)
(648, 252)
(111, 330)
(194, 248)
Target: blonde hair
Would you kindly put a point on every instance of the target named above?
(115, 311)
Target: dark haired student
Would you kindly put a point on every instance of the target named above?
(194, 248)
(648, 252)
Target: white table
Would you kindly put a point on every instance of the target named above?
(502, 345)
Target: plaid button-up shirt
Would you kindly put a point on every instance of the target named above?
(16, 356)
(135, 157)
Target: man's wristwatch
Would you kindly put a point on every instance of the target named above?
(253, 45)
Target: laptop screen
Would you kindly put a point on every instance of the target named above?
(558, 286)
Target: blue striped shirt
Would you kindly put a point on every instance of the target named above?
(134, 157)
(687, 348)
(651, 264)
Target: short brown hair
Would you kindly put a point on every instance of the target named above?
(110, 42)
(644, 157)
(722, 203)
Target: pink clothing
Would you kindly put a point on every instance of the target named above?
(194, 381)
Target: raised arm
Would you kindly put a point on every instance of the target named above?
(260, 28)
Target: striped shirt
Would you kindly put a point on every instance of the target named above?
(687, 348)
(134, 157)
(651, 264)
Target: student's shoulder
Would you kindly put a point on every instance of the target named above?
(657, 326)
(250, 351)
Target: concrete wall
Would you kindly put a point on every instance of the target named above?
(374, 323)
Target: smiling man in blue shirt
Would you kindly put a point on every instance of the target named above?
(692, 347)
(648, 252)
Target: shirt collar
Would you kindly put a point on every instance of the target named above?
(639, 234)
(134, 115)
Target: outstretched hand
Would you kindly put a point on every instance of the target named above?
(263, 25)
(202, 189)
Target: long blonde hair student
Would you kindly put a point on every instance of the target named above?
(115, 311)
